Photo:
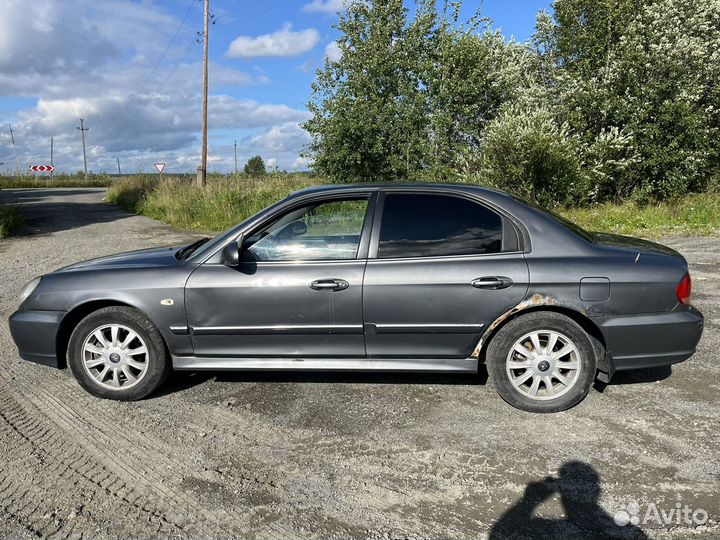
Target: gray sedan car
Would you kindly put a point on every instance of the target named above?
(434, 278)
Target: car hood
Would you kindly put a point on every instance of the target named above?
(144, 258)
(634, 244)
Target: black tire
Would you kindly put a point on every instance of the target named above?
(156, 359)
(503, 343)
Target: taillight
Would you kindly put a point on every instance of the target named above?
(684, 290)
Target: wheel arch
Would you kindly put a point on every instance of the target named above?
(73, 317)
(604, 361)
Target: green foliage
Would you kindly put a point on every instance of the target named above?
(613, 99)
(409, 93)
(692, 214)
(130, 192)
(255, 166)
(10, 219)
(646, 74)
(223, 203)
(526, 152)
(58, 181)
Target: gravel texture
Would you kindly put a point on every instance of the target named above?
(338, 455)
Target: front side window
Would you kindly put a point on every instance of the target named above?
(422, 225)
(319, 231)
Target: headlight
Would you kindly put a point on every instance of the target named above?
(28, 289)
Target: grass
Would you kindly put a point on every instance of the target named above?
(58, 181)
(693, 214)
(228, 200)
(10, 219)
(224, 202)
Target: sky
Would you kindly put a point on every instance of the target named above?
(132, 69)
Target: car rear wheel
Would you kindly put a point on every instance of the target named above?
(541, 362)
(117, 353)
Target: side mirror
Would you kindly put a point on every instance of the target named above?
(232, 252)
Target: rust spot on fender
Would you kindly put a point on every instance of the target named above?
(533, 301)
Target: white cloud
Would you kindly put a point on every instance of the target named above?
(333, 52)
(302, 163)
(282, 43)
(271, 163)
(83, 58)
(287, 137)
(324, 6)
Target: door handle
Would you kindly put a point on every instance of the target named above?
(492, 282)
(329, 285)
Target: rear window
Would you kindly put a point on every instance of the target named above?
(424, 225)
(577, 229)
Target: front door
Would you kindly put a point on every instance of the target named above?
(296, 293)
(441, 269)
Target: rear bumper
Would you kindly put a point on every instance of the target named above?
(35, 334)
(651, 340)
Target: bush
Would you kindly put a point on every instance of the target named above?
(526, 153)
(10, 219)
(130, 192)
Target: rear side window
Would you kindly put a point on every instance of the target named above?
(421, 225)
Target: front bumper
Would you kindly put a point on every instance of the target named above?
(35, 334)
(651, 340)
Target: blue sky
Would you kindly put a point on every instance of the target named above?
(125, 67)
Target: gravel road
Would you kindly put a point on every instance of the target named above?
(339, 455)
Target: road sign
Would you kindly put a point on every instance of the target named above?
(42, 168)
(160, 167)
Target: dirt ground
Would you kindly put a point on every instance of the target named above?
(340, 455)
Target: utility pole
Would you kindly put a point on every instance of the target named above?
(202, 171)
(52, 155)
(17, 160)
(82, 130)
(118, 160)
(235, 145)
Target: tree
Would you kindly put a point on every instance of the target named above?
(255, 166)
(409, 94)
(643, 73)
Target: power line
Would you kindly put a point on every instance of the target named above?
(260, 12)
(157, 65)
(172, 40)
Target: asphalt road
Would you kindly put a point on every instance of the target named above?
(340, 455)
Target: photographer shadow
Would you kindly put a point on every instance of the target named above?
(578, 485)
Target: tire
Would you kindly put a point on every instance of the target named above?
(133, 367)
(550, 381)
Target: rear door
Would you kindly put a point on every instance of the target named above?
(442, 267)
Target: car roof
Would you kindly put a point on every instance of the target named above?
(381, 186)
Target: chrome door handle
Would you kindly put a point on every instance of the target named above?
(492, 282)
(329, 285)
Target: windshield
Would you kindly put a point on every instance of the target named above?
(590, 237)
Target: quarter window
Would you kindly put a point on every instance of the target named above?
(422, 225)
(320, 231)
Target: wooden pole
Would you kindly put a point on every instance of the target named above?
(82, 130)
(202, 171)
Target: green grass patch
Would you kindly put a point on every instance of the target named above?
(227, 200)
(10, 218)
(694, 214)
(58, 181)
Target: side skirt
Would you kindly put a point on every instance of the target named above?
(194, 363)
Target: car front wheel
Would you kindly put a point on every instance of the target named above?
(541, 362)
(117, 353)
